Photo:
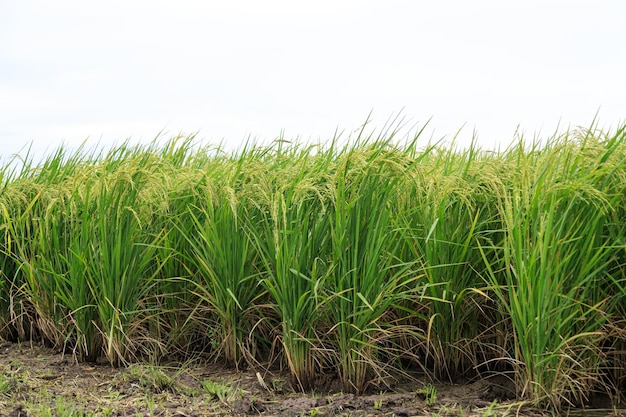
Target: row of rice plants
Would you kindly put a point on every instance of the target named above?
(361, 261)
(559, 222)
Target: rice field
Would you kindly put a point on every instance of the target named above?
(364, 261)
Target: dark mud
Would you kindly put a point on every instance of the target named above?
(36, 381)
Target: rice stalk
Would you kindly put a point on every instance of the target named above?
(365, 280)
(553, 256)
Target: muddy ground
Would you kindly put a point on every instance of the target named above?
(36, 381)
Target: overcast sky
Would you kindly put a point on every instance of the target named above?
(110, 70)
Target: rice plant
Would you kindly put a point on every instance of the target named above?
(357, 261)
(554, 256)
(445, 222)
(222, 261)
(292, 236)
(366, 279)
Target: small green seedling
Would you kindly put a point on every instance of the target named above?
(429, 393)
(221, 391)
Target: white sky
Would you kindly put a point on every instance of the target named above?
(110, 70)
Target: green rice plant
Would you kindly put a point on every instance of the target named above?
(8, 266)
(171, 298)
(222, 262)
(366, 280)
(58, 276)
(354, 258)
(552, 259)
(217, 282)
(8, 269)
(292, 236)
(444, 223)
(607, 153)
(94, 262)
(31, 296)
(121, 257)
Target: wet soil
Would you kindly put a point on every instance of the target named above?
(37, 381)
